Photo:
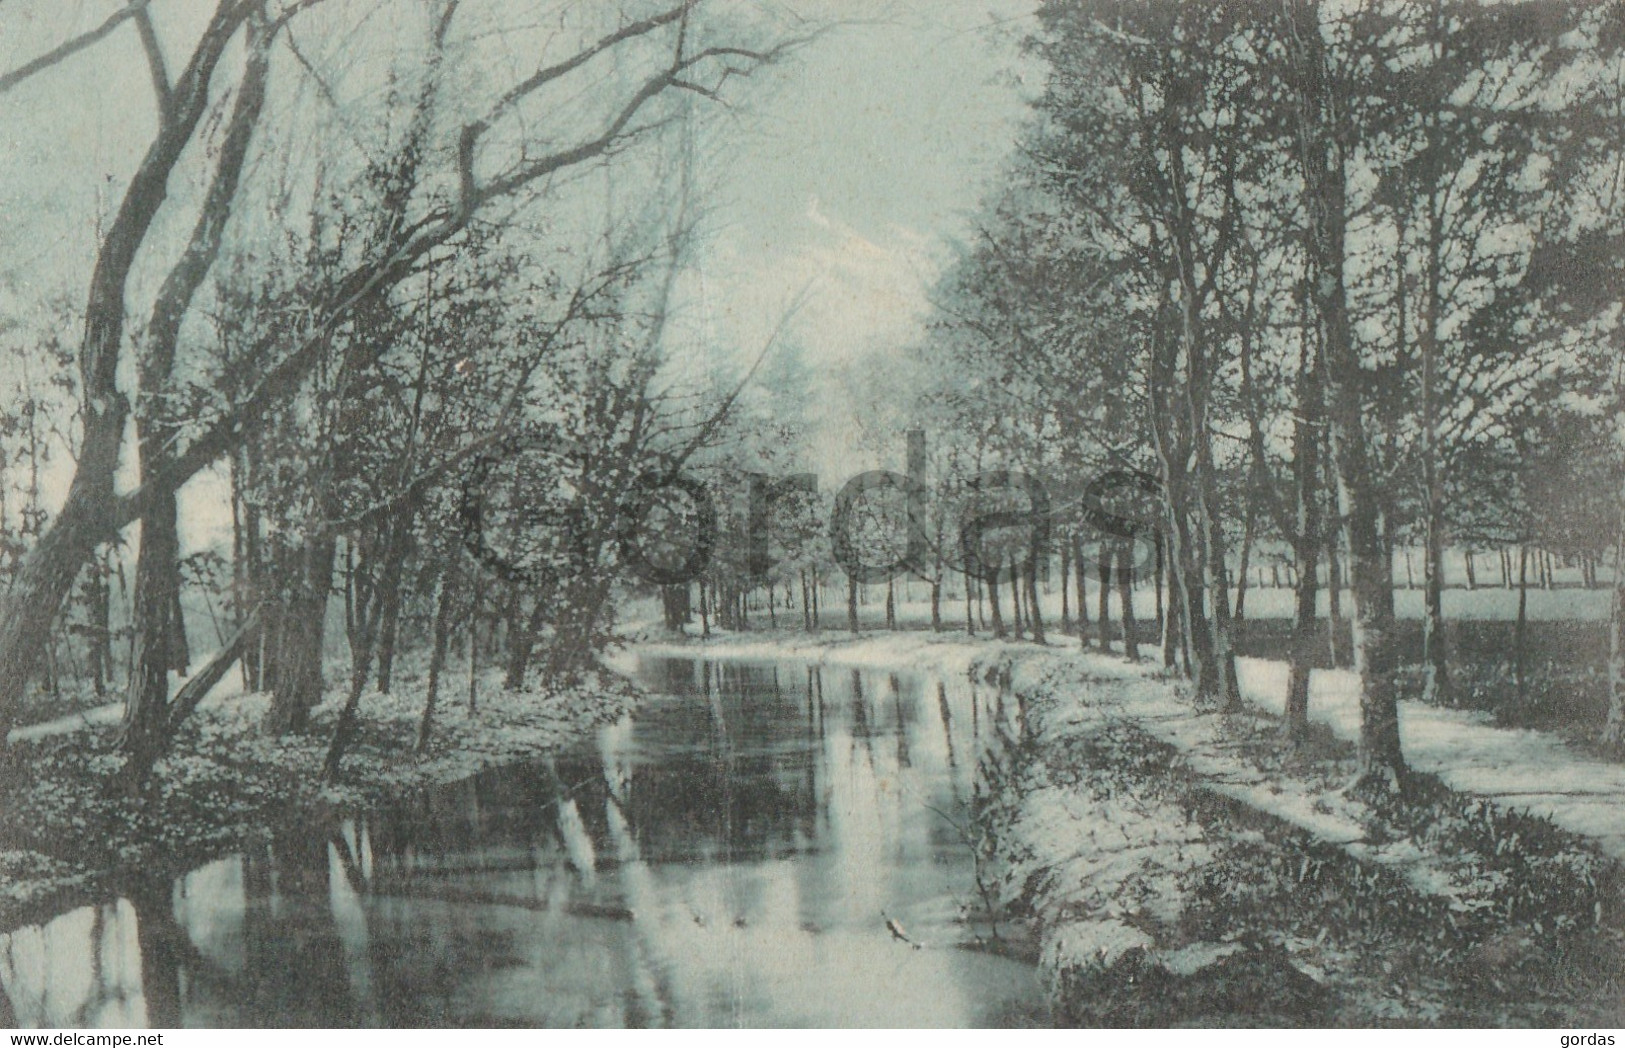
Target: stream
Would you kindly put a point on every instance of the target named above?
(759, 844)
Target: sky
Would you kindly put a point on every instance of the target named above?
(841, 178)
(851, 175)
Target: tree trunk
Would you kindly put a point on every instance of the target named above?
(1035, 615)
(1613, 732)
(1435, 652)
(1321, 141)
(87, 516)
(1016, 621)
(674, 607)
(1306, 441)
(993, 600)
(1105, 611)
(1125, 597)
(389, 625)
(99, 599)
(1158, 579)
(476, 603)
(1080, 577)
(297, 625)
(1174, 646)
(522, 645)
(157, 579)
(191, 694)
(437, 654)
(1334, 597)
(1066, 575)
(1251, 522)
(1520, 631)
(852, 603)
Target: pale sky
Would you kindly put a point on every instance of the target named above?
(853, 172)
(849, 171)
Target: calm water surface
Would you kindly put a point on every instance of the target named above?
(727, 856)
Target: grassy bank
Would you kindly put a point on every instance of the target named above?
(1182, 866)
(226, 785)
(1172, 863)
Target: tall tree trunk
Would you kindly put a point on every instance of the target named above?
(1158, 578)
(852, 603)
(1306, 541)
(88, 516)
(1613, 732)
(1174, 645)
(1208, 548)
(1435, 653)
(157, 579)
(1105, 611)
(99, 599)
(1195, 640)
(344, 731)
(1250, 522)
(1125, 597)
(298, 625)
(1321, 142)
(389, 624)
(1035, 615)
(1066, 575)
(1016, 622)
(437, 654)
(1080, 575)
(993, 601)
(160, 628)
(1520, 631)
(522, 644)
(476, 606)
(1334, 591)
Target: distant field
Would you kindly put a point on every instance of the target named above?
(1565, 603)
(1566, 640)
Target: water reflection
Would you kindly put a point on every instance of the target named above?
(727, 856)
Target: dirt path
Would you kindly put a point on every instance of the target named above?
(1515, 768)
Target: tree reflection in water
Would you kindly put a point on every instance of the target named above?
(723, 857)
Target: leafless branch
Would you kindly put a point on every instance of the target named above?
(155, 59)
(72, 47)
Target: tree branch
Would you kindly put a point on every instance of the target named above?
(155, 60)
(72, 47)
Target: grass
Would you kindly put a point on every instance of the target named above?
(1520, 925)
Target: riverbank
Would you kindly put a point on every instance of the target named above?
(1179, 864)
(226, 786)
